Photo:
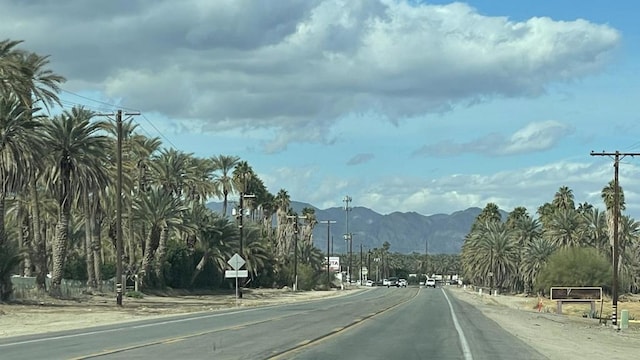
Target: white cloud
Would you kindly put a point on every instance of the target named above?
(529, 187)
(302, 64)
(534, 137)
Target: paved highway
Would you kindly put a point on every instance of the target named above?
(379, 323)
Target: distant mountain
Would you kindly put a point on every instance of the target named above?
(406, 232)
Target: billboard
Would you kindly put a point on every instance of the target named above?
(576, 293)
(334, 263)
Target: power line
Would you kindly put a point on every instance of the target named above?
(112, 107)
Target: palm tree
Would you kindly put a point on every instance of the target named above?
(218, 237)
(564, 228)
(310, 222)
(283, 206)
(563, 199)
(159, 212)
(74, 145)
(223, 182)
(19, 146)
(608, 196)
(534, 257)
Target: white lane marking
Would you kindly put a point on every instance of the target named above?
(158, 323)
(463, 340)
(122, 327)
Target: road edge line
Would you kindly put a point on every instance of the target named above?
(466, 351)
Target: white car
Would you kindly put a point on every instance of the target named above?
(403, 283)
(368, 283)
(430, 283)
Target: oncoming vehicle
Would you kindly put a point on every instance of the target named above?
(393, 281)
(430, 283)
(403, 283)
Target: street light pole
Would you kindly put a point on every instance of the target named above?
(328, 222)
(347, 236)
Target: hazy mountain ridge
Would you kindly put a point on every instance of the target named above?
(406, 232)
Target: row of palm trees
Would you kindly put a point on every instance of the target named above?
(58, 195)
(510, 254)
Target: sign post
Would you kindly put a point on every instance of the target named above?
(236, 262)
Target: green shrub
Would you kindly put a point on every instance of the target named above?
(75, 268)
(574, 266)
(134, 294)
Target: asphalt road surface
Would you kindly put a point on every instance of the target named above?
(379, 323)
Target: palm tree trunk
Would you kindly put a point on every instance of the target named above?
(151, 245)
(59, 249)
(88, 221)
(96, 246)
(201, 264)
(39, 246)
(25, 239)
(61, 238)
(224, 203)
(130, 238)
(6, 288)
(161, 254)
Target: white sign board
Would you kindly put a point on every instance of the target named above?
(236, 262)
(334, 263)
(236, 273)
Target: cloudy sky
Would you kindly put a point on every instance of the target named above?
(404, 105)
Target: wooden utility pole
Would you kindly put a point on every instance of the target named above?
(617, 156)
(119, 250)
(119, 209)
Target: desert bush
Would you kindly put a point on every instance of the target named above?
(574, 266)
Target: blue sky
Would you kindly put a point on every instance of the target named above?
(430, 107)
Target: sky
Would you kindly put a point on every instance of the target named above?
(404, 105)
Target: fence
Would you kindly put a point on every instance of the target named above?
(25, 288)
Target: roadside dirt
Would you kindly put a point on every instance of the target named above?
(48, 314)
(556, 336)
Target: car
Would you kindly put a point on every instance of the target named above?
(393, 281)
(403, 283)
(368, 283)
(430, 283)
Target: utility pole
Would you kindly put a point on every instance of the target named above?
(119, 210)
(617, 156)
(361, 275)
(426, 257)
(347, 235)
(119, 250)
(295, 249)
(328, 222)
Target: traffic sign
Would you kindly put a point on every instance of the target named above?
(236, 273)
(236, 262)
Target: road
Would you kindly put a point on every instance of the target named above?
(378, 323)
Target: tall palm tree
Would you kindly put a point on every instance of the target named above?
(74, 143)
(310, 222)
(565, 226)
(283, 206)
(563, 198)
(223, 165)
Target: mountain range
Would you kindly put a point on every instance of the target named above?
(406, 232)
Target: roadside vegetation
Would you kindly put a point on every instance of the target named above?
(58, 203)
(564, 245)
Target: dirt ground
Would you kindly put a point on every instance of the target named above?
(559, 336)
(48, 314)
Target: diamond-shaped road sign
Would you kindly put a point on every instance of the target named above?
(236, 262)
